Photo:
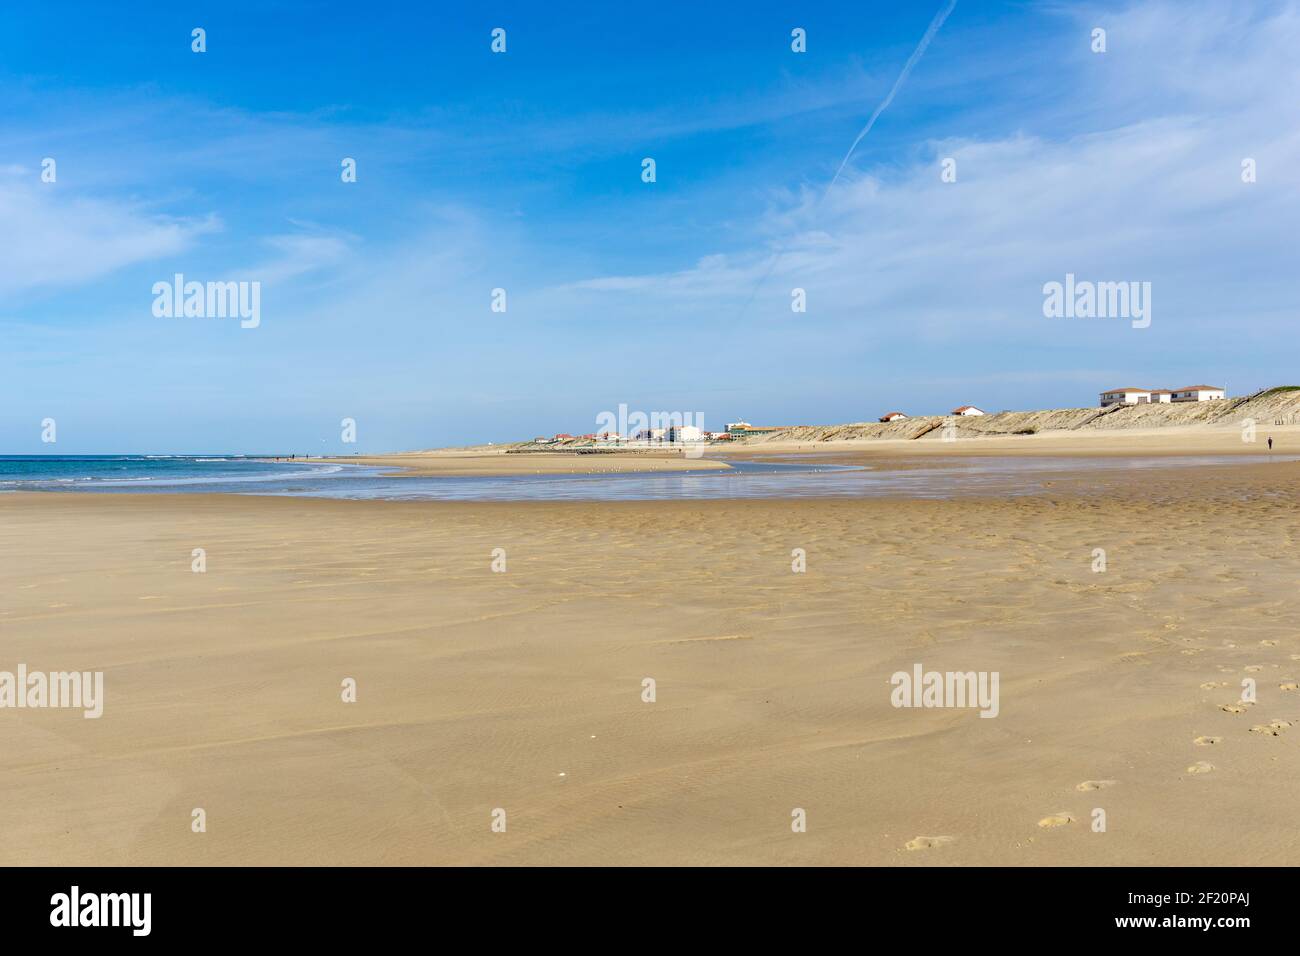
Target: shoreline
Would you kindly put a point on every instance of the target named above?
(1138, 443)
(982, 470)
(474, 463)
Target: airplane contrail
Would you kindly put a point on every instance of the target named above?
(912, 60)
(935, 24)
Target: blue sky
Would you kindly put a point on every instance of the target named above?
(523, 171)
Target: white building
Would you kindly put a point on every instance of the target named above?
(892, 416)
(1197, 393)
(681, 433)
(652, 434)
(1161, 396)
(967, 410)
(1125, 396)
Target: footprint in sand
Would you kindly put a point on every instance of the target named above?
(1238, 708)
(1268, 643)
(1201, 766)
(1207, 740)
(928, 843)
(1287, 685)
(1214, 684)
(1095, 785)
(1056, 820)
(1273, 728)
(1252, 668)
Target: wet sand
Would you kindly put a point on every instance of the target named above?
(522, 690)
(480, 462)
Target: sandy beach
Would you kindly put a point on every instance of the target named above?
(522, 690)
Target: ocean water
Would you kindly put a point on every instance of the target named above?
(150, 472)
(227, 474)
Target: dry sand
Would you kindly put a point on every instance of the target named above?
(1173, 440)
(522, 690)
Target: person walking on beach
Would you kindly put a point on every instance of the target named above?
(1270, 442)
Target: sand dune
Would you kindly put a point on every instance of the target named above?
(1272, 409)
(523, 690)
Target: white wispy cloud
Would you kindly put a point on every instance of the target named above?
(896, 252)
(57, 236)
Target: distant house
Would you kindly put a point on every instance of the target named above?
(563, 436)
(1161, 396)
(1131, 395)
(745, 429)
(892, 416)
(967, 410)
(681, 433)
(1197, 393)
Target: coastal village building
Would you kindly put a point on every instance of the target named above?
(1198, 393)
(682, 433)
(1159, 396)
(892, 416)
(967, 410)
(743, 429)
(1125, 396)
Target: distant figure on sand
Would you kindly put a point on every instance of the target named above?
(1270, 442)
